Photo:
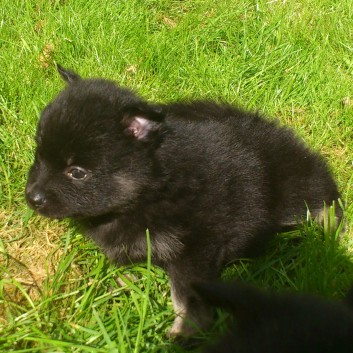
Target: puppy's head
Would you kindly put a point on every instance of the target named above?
(94, 152)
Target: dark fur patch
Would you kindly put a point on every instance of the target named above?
(266, 322)
(210, 181)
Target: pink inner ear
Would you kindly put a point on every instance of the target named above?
(139, 127)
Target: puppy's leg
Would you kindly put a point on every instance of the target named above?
(192, 313)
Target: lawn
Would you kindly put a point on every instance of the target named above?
(291, 60)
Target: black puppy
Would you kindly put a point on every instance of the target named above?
(212, 183)
(273, 323)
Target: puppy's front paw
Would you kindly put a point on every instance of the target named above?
(183, 334)
(182, 328)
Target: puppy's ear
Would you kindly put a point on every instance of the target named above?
(140, 127)
(215, 293)
(67, 75)
(240, 298)
(143, 121)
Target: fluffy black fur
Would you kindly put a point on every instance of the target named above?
(211, 182)
(274, 323)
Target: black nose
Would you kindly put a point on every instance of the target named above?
(36, 199)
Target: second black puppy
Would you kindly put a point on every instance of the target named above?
(211, 182)
(279, 323)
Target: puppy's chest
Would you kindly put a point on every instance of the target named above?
(124, 241)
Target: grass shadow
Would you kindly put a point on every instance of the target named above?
(309, 259)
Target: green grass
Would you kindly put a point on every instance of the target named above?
(292, 60)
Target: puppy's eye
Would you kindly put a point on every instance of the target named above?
(76, 173)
